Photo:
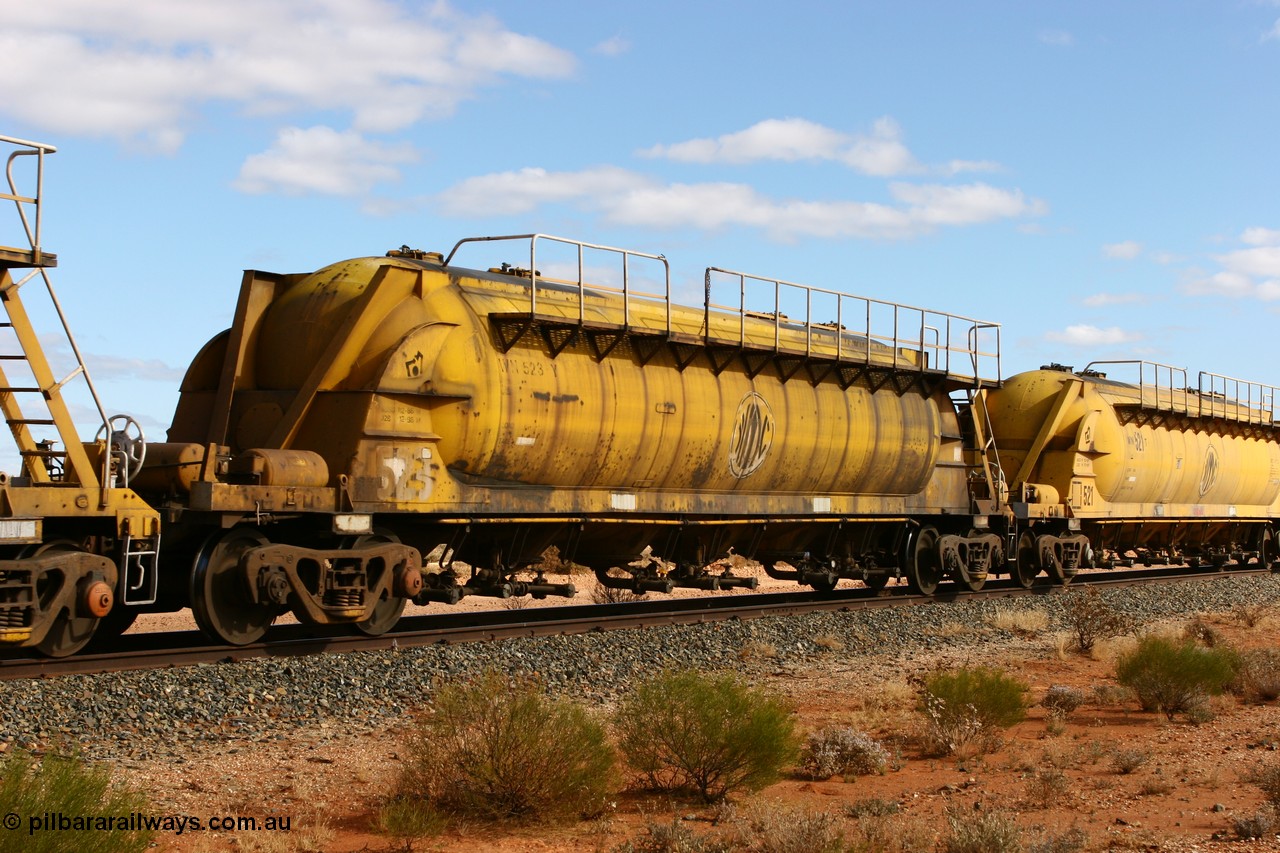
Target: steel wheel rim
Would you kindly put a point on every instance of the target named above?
(219, 602)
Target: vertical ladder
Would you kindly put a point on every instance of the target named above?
(986, 483)
(42, 393)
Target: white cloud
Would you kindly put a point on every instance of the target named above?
(139, 70)
(1084, 335)
(518, 192)
(324, 161)
(956, 167)
(969, 204)
(788, 139)
(614, 46)
(1273, 33)
(1247, 273)
(1102, 300)
(630, 198)
(1057, 38)
(1261, 261)
(1260, 237)
(880, 152)
(1128, 250)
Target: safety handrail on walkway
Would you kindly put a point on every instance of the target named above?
(1165, 388)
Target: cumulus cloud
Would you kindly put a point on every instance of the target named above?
(1127, 251)
(879, 153)
(1085, 335)
(139, 70)
(1103, 300)
(1251, 272)
(1261, 237)
(324, 161)
(788, 139)
(630, 198)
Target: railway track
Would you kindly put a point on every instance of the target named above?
(185, 648)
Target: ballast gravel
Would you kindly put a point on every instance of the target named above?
(165, 713)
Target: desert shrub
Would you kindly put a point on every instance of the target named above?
(1046, 788)
(1251, 615)
(1073, 840)
(672, 837)
(774, 830)
(893, 834)
(829, 642)
(409, 817)
(1173, 677)
(1090, 619)
(1258, 675)
(840, 750)
(1200, 631)
(62, 785)
(500, 749)
(601, 594)
(1063, 699)
(872, 807)
(758, 650)
(1026, 623)
(968, 705)
(1263, 823)
(982, 832)
(1267, 778)
(706, 734)
(1127, 760)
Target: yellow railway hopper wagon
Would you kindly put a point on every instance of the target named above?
(481, 416)
(1153, 468)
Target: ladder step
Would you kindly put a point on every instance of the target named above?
(22, 390)
(34, 421)
(45, 454)
(13, 357)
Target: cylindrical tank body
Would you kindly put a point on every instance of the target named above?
(425, 366)
(1127, 452)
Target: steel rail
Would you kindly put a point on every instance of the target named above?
(185, 648)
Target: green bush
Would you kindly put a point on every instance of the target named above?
(500, 749)
(686, 731)
(64, 785)
(1173, 677)
(968, 705)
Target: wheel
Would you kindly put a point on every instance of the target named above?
(924, 571)
(70, 633)
(1027, 565)
(126, 443)
(219, 599)
(1266, 547)
(388, 610)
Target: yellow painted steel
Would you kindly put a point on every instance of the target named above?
(1149, 463)
(390, 371)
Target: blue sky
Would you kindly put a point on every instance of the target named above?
(1101, 178)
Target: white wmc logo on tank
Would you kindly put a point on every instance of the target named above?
(752, 436)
